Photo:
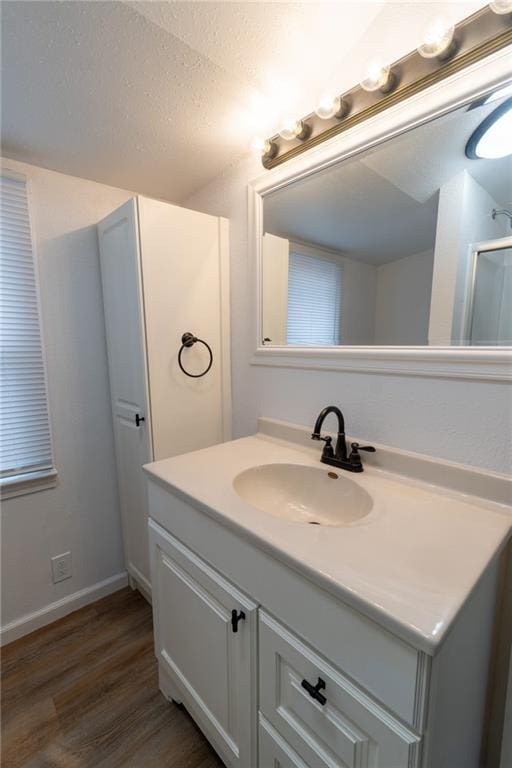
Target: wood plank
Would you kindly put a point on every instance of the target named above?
(83, 691)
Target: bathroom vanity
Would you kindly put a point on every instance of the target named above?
(308, 617)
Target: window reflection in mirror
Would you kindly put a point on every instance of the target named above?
(381, 248)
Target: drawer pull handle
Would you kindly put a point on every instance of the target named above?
(236, 616)
(314, 690)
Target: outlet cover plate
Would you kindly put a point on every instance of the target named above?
(61, 567)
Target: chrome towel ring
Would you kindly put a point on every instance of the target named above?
(188, 340)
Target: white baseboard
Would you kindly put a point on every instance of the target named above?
(139, 582)
(31, 621)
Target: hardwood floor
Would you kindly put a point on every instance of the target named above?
(84, 692)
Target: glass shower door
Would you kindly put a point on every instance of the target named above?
(490, 314)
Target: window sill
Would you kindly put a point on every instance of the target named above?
(20, 485)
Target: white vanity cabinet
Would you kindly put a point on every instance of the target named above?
(306, 681)
(217, 672)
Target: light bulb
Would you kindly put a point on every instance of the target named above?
(501, 6)
(260, 145)
(437, 39)
(295, 129)
(377, 76)
(328, 106)
(290, 129)
(264, 147)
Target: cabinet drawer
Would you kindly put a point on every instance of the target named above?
(274, 752)
(324, 717)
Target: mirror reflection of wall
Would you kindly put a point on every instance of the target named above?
(378, 250)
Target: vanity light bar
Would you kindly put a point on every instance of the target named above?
(481, 34)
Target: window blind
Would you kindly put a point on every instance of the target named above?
(25, 442)
(314, 300)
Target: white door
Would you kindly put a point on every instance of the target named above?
(185, 271)
(205, 638)
(274, 280)
(489, 303)
(124, 323)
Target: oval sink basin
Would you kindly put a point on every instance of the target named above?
(303, 494)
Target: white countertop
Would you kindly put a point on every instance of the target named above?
(410, 564)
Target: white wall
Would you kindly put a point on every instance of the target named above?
(464, 421)
(403, 300)
(358, 302)
(358, 305)
(463, 219)
(81, 514)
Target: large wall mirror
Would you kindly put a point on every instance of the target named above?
(408, 243)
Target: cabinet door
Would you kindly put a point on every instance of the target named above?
(185, 269)
(124, 325)
(210, 660)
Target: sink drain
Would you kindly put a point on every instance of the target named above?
(313, 522)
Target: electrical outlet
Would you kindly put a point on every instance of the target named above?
(61, 567)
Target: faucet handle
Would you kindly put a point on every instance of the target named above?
(317, 436)
(328, 449)
(356, 447)
(354, 457)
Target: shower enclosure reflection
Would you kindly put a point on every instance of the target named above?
(490, 311)
(380, 249)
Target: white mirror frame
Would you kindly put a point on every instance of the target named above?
(483, 363)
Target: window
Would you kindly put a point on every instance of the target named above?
(26, 460)
(314, 300)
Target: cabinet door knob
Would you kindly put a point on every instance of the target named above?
(236, 616)
(138, 419)
(314, 690)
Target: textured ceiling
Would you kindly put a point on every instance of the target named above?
(422, 160)
(353, 210)
(140, 95)
(160, 97)
(381, 206)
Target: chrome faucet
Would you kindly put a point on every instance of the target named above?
(338, 457)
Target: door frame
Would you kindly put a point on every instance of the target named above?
(499, 244)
